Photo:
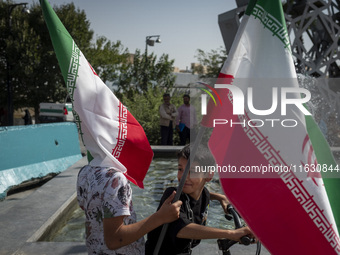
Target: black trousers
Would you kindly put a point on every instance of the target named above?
(184, 135)
(167, 134)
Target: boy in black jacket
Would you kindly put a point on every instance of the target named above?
(186, 232)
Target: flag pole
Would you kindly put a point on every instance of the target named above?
(180, 186)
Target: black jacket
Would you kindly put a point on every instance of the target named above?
(171, 244)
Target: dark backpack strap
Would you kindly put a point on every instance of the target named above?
(190, 215)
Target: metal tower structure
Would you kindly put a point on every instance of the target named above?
(314, 31)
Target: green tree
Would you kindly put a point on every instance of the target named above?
(108, 58)
(143, 73)
(210, 62)
(35, 72)
(145, 108)
(36, 75)
(142, 83)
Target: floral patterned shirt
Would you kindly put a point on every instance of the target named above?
(104, 192)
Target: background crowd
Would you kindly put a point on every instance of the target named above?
(182, 120)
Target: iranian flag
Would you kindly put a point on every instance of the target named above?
(272, 154)
(110, 133)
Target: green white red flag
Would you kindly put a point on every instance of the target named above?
(291, 209)
(110, 133)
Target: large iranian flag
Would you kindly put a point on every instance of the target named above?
(110, 133)
(270, 152)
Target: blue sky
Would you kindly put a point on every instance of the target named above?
(184, 26)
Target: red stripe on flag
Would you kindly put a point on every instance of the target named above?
(305, 141)
(270, 194)
(137, 145)
(278, 237)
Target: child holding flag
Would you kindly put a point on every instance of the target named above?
(105, 195)
(185, 233)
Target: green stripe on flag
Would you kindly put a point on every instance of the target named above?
(73, 67)
(325, 156)
(61, 39)
(250, 7)
(274, 8)
(272, 17)
(66, 50)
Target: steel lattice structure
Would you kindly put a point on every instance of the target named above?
(314, 31)
(313, 28)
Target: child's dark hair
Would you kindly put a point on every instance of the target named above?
(202, 156)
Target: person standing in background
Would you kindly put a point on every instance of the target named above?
(186, 120)
(168, 113)
(3, 116)
(27, 118)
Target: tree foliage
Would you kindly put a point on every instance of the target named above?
(145, 108)
(35, 73)
(141, 88)
(210, 62)
(144, 73)
(140, 80)
(108, 58)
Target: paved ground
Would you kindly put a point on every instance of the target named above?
(27, 216)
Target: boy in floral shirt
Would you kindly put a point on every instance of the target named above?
(105, 195)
